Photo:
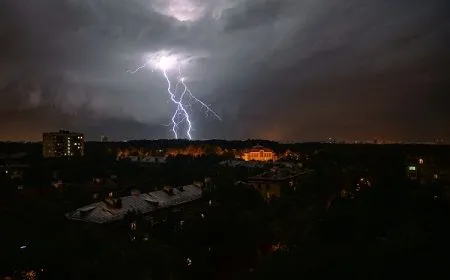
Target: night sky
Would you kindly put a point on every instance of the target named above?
(288, 70)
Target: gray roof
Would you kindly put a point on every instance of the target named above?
(101, 212)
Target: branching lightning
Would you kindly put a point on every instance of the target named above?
(182, 100)
(180, 110)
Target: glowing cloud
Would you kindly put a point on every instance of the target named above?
(193, 10)
(182, 10)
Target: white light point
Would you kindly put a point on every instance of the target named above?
(166, 62)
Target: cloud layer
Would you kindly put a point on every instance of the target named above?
(280, 69)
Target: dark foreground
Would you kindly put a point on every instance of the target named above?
(329, 227)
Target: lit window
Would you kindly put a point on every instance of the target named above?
(420, 161)
(412, 168)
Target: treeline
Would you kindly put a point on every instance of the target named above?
(348, 151)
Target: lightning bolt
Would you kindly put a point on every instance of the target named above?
(192, 96)
(180, 110)
(181, 114)
(137, 69)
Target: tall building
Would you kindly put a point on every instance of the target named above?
(62, 144)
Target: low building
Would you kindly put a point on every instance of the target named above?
(116, 208)
(259, 153)
(144, 159)
(62, 144)
(422, 169)
(242, 163)
(153, 159)
(278, 180)
(15, 171)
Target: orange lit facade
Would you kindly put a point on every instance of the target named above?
(259, 153)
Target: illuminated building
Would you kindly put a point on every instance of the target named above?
(414, 168)
(259, 153)
(14, 171)
(62, 144)
(423, 170)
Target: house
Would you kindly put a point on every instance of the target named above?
(115, 208)
(279, 180)
(259, 153)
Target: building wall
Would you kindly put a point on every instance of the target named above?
(261, 155)
(62, 144)
(267, 189)
(422, 170)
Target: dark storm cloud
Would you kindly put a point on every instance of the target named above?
(356, 70)
(252, 13)
(276, 69)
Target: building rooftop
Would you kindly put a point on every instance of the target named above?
(242, 163)
(281, 174)
(102, 212)
(259, 148)
(59, 132)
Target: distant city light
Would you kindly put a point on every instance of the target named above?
(30, 275)
(23, 247)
